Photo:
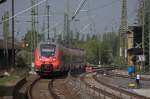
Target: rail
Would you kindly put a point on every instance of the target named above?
(102, 91)
(107, 70)
(29, 93)
(122, 91)
(50, 87)
(18, 86)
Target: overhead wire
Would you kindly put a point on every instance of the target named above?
(130, 16)
(106, 5)
(97, 14)
(25, 10)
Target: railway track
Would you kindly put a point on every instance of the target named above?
(84, 87)
(61, 90)
(101, 89)
(17, 88)
(21, 88)
(39, 89)
(108, 71)
(53, 88)
(122, 91)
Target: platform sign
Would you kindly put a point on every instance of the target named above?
(141, 58)
(131, 70)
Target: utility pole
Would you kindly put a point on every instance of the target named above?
(6, 34)
(144, 14)
(37, 28)
(122, 32)
(34, 23)
(147, 11)
(34, 26)
(13, 49)
(48, 8)
(55, 35)
(142, 23)
(67, 19)
(44, 20)
(66, 22)
(141, 19)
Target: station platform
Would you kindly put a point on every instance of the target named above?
(145, 76)
(144, 92)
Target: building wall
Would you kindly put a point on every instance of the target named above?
(130, 44)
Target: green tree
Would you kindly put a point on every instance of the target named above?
(92, 50)
(105, 53)
(31, 39)
(88, 37)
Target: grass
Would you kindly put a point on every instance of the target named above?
(16, 71)
(4, 80)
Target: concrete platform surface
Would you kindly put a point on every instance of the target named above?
(144, 92)
(146, 76)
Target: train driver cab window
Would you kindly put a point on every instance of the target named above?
(48, 50)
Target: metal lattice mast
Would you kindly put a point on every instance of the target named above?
(44, 21)
(37, 26)
(66, 21)
(140, 12)
(6, 33)
(34, 22)
(48, 8)
(141, 19)
(146, 32)
(122, 32)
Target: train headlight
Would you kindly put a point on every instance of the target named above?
(54, 59)
(40, 58)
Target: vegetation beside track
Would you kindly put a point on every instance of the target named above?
(6, 79)
(13, 75)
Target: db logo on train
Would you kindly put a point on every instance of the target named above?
(88, 69)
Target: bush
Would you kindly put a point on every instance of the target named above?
(23, 59)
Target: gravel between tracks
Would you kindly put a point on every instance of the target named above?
(40, 90)
(59, 87)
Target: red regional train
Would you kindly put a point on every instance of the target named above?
(51, 57)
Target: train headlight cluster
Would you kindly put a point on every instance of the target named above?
(54, 59)
(40, 58)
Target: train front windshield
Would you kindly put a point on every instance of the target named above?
(47, 50)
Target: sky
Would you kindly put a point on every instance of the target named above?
(96, 16)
